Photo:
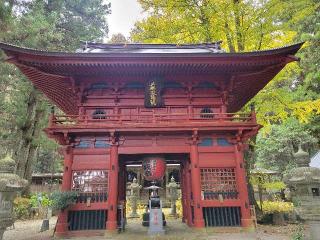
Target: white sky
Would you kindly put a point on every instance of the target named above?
(124, 13)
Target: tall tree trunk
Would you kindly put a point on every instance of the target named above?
(228, 36)
(239, 35)
(30, 130)
(25, 134)
(205, 23)
(33, 147)
(250, 161)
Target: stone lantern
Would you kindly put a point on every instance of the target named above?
(304, 184)
(10, 184)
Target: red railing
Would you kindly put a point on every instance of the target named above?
(151, 118)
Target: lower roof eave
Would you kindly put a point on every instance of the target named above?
(99, 130)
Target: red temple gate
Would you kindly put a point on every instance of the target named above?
(123, 102)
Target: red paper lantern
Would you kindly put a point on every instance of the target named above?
(154, 168)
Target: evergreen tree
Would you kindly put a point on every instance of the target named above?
(46, 25)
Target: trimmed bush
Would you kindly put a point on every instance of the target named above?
(21, 207)
(62, 200)
(276, 207)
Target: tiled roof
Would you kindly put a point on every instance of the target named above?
(56, 73)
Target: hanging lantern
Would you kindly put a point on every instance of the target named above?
(154, 168)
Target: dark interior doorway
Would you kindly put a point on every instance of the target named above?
(131, 167)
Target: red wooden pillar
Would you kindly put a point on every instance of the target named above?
(246, 220)
(113, 187)
(183, 192)
(196, 183)
(62, 224)
(122, 182)
(188, 193)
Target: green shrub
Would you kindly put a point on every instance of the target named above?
(40, 200)
(276, 207)
(46, 201)
(62, 200)
(298, 234)
(21, 207)
(274, 186)
(34, 201)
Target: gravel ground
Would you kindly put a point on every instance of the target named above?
(29, 230)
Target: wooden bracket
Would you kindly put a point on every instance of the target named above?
(195, 136)
(73, 84)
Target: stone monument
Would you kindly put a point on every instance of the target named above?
(134, 196)
(10, 184)
(173, 195)
(304, 184)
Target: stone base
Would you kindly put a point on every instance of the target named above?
(278, 219)
(247, 223)
(61, 229)
(112, 226)
(1, 233)
(314, 229)
(198, 223)
(162, 232)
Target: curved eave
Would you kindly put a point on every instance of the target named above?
(14, 50)
(51, 72)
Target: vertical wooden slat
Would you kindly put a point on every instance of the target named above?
(90, 218)
(225, 216)
(221, 216)
(97, 220)
(78, 215)
(233, 217)
(207, 217)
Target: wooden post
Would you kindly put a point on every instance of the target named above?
(246, 220)
(113, 186)
(62, 223)
(184, 193)
(188, 193)
(196, 183)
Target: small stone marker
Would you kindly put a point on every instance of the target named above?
(45, 225)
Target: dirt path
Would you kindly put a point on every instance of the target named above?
(29, 230)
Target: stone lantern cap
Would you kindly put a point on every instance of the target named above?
(302, 158)
(303, 174)
(9, 181)
(7, 165)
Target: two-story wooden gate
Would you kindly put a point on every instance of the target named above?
(138, 99)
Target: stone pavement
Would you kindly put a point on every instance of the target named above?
(29, 230)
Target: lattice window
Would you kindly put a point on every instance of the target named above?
(223, 142)
(206, 85)
(99, 114)
(101, 144)
(218, 182)
(83, 144)
(206, 142)
(101, 85)
(172, 85)
(134, 85)
(206, 112)
(91, 184)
